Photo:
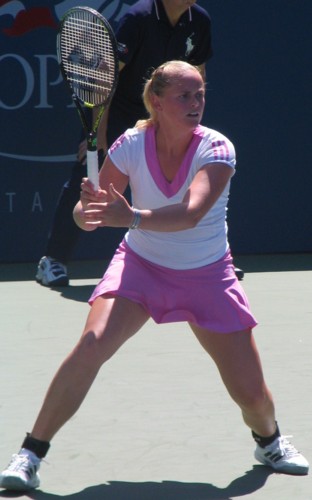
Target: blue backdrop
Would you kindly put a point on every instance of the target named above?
(259, 94)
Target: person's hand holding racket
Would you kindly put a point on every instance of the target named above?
(101, 209)
(87, 54)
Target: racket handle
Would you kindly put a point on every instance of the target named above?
(93, 168)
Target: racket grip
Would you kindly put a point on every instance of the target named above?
(93, 168)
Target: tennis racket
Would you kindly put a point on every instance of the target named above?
(87, 55)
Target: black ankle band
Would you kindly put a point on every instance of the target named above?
(265, 441)
(40, 448)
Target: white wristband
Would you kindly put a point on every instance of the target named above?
(136, 219)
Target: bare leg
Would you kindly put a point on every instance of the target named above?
(110, 323)
(238, 361)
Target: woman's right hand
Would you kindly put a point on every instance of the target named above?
(87, 195)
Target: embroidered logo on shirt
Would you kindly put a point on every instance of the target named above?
(189, 45)
(220, 150)
(117, 143)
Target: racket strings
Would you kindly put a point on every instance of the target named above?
(88, 58)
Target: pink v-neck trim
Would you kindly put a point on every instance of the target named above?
(169, 189)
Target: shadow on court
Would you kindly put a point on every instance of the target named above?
(25, 271)
(95, 269)
(274, 262)
(250, 482)
(79, 293)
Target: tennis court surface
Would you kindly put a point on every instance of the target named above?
(158, 423)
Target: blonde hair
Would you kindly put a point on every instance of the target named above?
(161, 78)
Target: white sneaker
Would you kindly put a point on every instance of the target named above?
(51, 273)
(22, 472)
(282, 456)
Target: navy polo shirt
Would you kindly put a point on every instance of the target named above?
(146, 39)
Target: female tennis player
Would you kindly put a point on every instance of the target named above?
(173, 265)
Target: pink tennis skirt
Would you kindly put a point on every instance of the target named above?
(210, 296)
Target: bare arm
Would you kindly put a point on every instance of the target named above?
(109, 174)
(207, 186)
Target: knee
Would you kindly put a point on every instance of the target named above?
(95, 348)
(88, 350)
(255, 400)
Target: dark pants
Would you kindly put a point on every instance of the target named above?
(64, 233)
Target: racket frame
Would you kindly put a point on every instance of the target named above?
(90, 131)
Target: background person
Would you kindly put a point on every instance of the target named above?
(183, 31)
(174, 264)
